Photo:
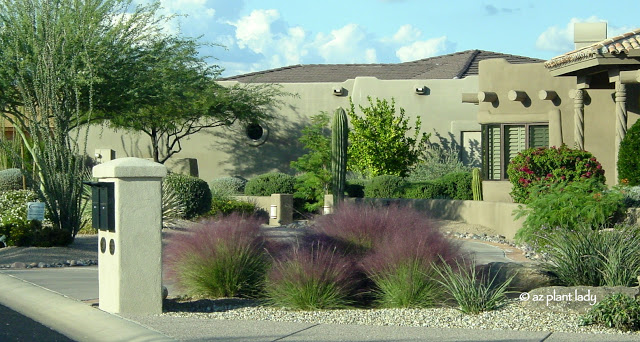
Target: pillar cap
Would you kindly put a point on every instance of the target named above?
(130, 167)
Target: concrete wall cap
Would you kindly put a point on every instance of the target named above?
(130, 167)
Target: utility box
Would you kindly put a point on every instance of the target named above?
(127, 208)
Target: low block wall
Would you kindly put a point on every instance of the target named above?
(495, 215)
(278, 206)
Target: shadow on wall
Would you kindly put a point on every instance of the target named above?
(275, 154)
(448, 147)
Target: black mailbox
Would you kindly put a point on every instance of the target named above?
(102, 206)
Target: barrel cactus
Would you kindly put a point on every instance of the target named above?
(339, 132)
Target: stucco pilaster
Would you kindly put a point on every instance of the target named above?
(621, 119)
(578, 118)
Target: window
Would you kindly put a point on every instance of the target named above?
(502, 142)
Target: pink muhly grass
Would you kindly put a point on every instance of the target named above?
(310, 278)
(222, 258)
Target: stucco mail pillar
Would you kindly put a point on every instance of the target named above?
(130, 254)
(621, 120)
(578, 118)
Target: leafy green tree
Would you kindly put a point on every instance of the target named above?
(178, 97)
(379, 143)
(314, 183)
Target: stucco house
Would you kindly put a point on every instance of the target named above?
(586, 99)
(437, 89)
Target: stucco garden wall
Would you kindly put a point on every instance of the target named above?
(225, 151)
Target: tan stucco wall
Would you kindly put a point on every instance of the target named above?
(224, 151)
(500, 77)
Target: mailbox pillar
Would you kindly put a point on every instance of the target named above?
(130, 254)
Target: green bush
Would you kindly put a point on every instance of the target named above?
(425, 190)
(559, 208)
(587, 257)
(10, 179)
(270, 183)
(355, 187)
(473, 294)
(615, 311)
(549, 165)
(13, 204)
(629, 158)
(457, 185)
(192, 192)
(309, 191)
(224, 206)
(408, 284)
(385, 186)
(227, 186)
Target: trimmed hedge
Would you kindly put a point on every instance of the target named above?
(355, 187)
(227, 186)
(629, 158)
(191, 191)
(385, 186)
(270, 183)
(455, 186)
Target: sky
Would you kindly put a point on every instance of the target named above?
(256, 35)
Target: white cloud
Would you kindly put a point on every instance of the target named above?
(424, 49)
(254, 31)
(406, 34)
(345, 45)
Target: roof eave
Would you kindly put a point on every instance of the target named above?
(571, 68)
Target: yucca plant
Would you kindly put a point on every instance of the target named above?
(473, 292)
(173, 208)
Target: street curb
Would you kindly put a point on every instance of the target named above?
(70, 317)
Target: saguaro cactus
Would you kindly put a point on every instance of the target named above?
(476, 185)
(339, 132)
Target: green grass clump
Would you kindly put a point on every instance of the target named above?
(409, 284)
(473, 293)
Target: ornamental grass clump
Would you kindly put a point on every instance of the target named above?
(401, 268)
(587, 257)
(223, 258)
(472, 292)
(311, 278)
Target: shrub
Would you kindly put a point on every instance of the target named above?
(562, 207)
(628, 157)
(192, 192)
(586, 257)
(224, 206)
(615, 311)
(631, 195)
(472, 293)
(385, 186)
(312, 278)
(270, 183)
(426, 190)
(13, 204)
(223, 258)
(549, 165)
(309, 190)
(10, 179)
(457, 185)
(227, 186)
(355, 187)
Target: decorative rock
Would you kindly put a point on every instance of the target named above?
(165, 292)
(574, 298)
(33, 264)
(42, 265)
(73, 263)
(18, 264)
(526, 276)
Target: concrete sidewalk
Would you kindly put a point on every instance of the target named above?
(54, 297)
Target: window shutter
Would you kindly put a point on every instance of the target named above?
(538, 136)
(494, 153)
(515, 142)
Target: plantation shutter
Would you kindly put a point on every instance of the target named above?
(494, 153)
(515, 142)
(538, 136)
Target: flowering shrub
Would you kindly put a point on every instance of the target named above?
(549, 165)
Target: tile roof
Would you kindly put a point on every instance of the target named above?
(623, 43)
(455, 65)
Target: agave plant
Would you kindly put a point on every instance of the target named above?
(172, 208)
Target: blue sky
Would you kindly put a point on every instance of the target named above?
(265, 34)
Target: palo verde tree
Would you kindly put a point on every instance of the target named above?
(178, 96)
(55, 56)
(379, 143)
